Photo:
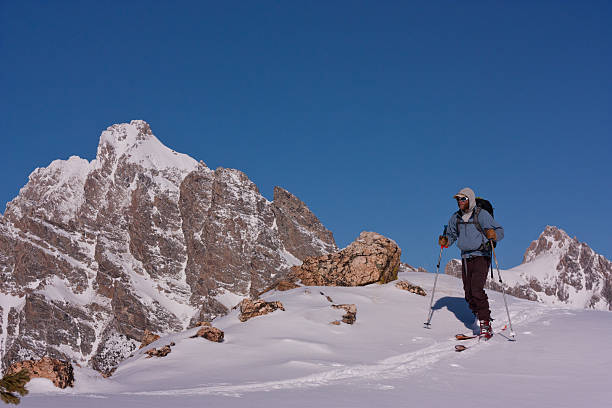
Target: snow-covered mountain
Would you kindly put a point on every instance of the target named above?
(385, 359)
(142, 237)
(556, 269)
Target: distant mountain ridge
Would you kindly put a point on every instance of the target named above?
(142, 237)
(556, 269)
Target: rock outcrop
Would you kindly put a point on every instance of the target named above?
(252, 308)
(61, 373)
(159, 352)
(404, 285)
(351, 313)
(556, 269)
(404, 267)
(210, 333)
(369, 259)
(148, 338)
(92, 254)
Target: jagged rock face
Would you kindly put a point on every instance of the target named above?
(297, 225)
(92, 254)
(370, 258)
(557, 269)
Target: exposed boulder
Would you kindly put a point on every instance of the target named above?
(61, 373)
(369, 259)
(405, 285)
(160, 352)
(252, 308)
(453, 268)
(351, 313)
(210, 333)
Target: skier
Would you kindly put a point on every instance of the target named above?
(473, 228)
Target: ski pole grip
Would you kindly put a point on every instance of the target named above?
(444, 234)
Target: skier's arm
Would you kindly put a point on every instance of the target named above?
(488, 222)
(451, 231)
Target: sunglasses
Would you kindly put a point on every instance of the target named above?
(462, 199)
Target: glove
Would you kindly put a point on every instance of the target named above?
(443, 241)
(491, 235)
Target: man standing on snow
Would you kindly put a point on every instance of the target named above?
(473, 228)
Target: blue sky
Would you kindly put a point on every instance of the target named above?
(373, 113)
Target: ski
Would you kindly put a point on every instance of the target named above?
(461, 347)
(464, 336)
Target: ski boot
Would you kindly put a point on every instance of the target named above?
(486, 332)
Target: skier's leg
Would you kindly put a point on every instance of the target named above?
(466, 282)
(479, 267)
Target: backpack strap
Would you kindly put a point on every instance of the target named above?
(477, 221)
(486, 246)
(474, 220)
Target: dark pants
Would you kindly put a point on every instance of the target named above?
(474, 275)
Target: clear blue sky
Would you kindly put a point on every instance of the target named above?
(373, 113)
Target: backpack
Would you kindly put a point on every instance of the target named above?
(486, 205)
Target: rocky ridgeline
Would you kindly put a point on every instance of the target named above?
(92, 254)
(556, 269)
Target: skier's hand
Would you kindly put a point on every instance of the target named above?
(443, 241)
(491, 235)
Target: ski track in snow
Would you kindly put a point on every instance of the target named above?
(394, 367)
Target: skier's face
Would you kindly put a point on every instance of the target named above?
(463, 203)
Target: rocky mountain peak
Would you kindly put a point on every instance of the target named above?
(53, 192)
(552, 241)
(93, 254)
(134, 142)
(127, 135)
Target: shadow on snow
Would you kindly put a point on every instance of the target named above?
(459, 307)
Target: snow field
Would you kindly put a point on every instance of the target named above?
(561, 356)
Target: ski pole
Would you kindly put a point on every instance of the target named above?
(428, 323)
(512, 334)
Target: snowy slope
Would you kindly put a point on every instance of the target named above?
(386, 359)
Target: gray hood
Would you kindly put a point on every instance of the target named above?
(469, 193)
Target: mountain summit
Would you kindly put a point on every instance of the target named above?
(92, 254)
(135, 143)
